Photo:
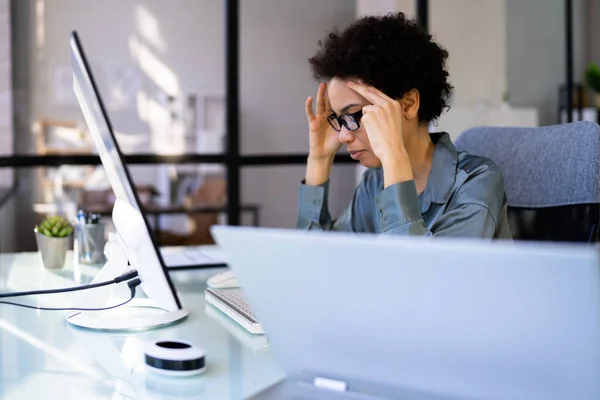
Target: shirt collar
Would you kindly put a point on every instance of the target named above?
(442, 174)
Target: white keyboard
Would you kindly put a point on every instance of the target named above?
(232, 303)
(184, 257)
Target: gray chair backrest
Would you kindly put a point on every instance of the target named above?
(544, 166)
(551, 177)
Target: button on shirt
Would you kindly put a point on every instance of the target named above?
(464, 197)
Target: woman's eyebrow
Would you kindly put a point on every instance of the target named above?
(349, 106)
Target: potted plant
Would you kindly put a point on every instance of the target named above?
(592, 77)
(53, 237)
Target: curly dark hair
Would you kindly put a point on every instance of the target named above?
(391, 53)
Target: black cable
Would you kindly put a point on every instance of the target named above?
(132, 285)
(126, 276)
(10, 303)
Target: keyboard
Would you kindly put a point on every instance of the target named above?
(232, 303)
(181, 257)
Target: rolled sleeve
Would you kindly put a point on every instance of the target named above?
(312, 205)
(398, 205)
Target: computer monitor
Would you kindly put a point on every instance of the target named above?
(130, 222)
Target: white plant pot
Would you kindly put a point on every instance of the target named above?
(52, 250)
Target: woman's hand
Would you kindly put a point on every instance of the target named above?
(382, 120)
(323, 139)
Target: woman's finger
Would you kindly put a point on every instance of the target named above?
(328, 105)
(308, 108)
(370, 109)
(370, 116)
(321, 98)
(367, 93)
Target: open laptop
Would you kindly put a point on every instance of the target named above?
(100, 126)
(364, 317)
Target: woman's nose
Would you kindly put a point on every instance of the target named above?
(345, 135)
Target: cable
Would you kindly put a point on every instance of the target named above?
(132, 285)
(126, 276)
(10, 303)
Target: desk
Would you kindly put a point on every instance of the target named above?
(42, 357)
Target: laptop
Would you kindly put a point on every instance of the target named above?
(366, 317)
(99, 124)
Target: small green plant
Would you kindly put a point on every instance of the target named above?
(55, 226)
(592, 77)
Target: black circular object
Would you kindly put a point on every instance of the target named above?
(175, 358)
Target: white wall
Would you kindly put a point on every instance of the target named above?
(473, 32)
(370, 7)
(179, 47)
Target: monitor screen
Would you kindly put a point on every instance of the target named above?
(98, 123)
(100, 130)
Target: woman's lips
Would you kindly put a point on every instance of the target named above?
(356, 154)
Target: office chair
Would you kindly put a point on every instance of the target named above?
(551, 178)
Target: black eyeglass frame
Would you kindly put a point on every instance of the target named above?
(345, 120)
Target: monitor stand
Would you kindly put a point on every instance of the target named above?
(138, 314)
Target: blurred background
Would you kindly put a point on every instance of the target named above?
(162, 68)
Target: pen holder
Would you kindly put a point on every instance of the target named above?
(90, 241)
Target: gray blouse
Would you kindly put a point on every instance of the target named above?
(464, 197)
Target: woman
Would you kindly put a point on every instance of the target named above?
(384, 81)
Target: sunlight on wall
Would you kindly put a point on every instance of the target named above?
(153, 67)
(167, 137)
(147, 26)
(142, 105)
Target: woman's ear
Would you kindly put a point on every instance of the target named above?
(410, 104)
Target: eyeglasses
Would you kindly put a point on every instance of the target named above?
(349, 121)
